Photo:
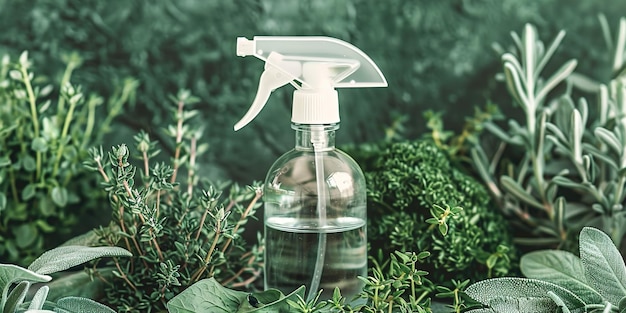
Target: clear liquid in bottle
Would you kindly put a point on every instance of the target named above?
(294, 246)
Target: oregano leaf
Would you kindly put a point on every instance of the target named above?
(59, 196)
(603, 264)
(65, 257)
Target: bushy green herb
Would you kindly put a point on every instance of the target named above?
(567, 170)
(419, 201)
(16, 281)
(559, 280)
(45, 129)
(179, 233)
(398, 285)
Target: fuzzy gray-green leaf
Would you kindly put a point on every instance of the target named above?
(38, 300)
(206, 295)
(16, 297)
(82, 305)
(604, 266)
(515, 289)
(561, 268)
(65, 257)
(10, 273)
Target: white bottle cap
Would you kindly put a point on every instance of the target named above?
(315, 107)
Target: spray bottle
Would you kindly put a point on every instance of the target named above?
(314, 195)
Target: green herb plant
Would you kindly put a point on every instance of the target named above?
(418, 200)
(179, 227)
(398, 285)
(459, 145)
(569, 165)
(560, 281)
(45, 130)
(16, 281)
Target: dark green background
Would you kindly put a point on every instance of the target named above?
(436, 54)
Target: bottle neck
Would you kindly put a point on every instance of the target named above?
(315, 137)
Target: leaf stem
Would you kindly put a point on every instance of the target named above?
(207, 259)
(66, 127)
(179, 139)
(33, 112)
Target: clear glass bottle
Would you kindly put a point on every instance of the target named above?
(315, 217)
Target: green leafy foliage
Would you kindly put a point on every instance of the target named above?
(208, 295)
(425, 203)
(595, 282)
(562, 166)
(45, 127)
(434, 54)
(15, 281)
(180, 228)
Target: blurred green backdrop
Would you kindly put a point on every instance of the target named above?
(435, 55)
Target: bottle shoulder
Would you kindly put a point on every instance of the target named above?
(297, 166)
(334, 157)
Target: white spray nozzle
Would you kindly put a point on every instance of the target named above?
(318, 64)
(245, 47)
(273, 77)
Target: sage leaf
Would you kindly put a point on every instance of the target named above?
(16, 297)
(603, 264)
(10, 273)
(81, 305)
(561, 268)
(521, 293)
(622, 305)
(208, 295)
(279, 304)
(65, 257)
(38, 300)
(523, 305)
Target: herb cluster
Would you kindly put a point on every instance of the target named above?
(425, 203)
(560, 280)
(562, 166)
(16, 282)
(45, 130)
(179, 227)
